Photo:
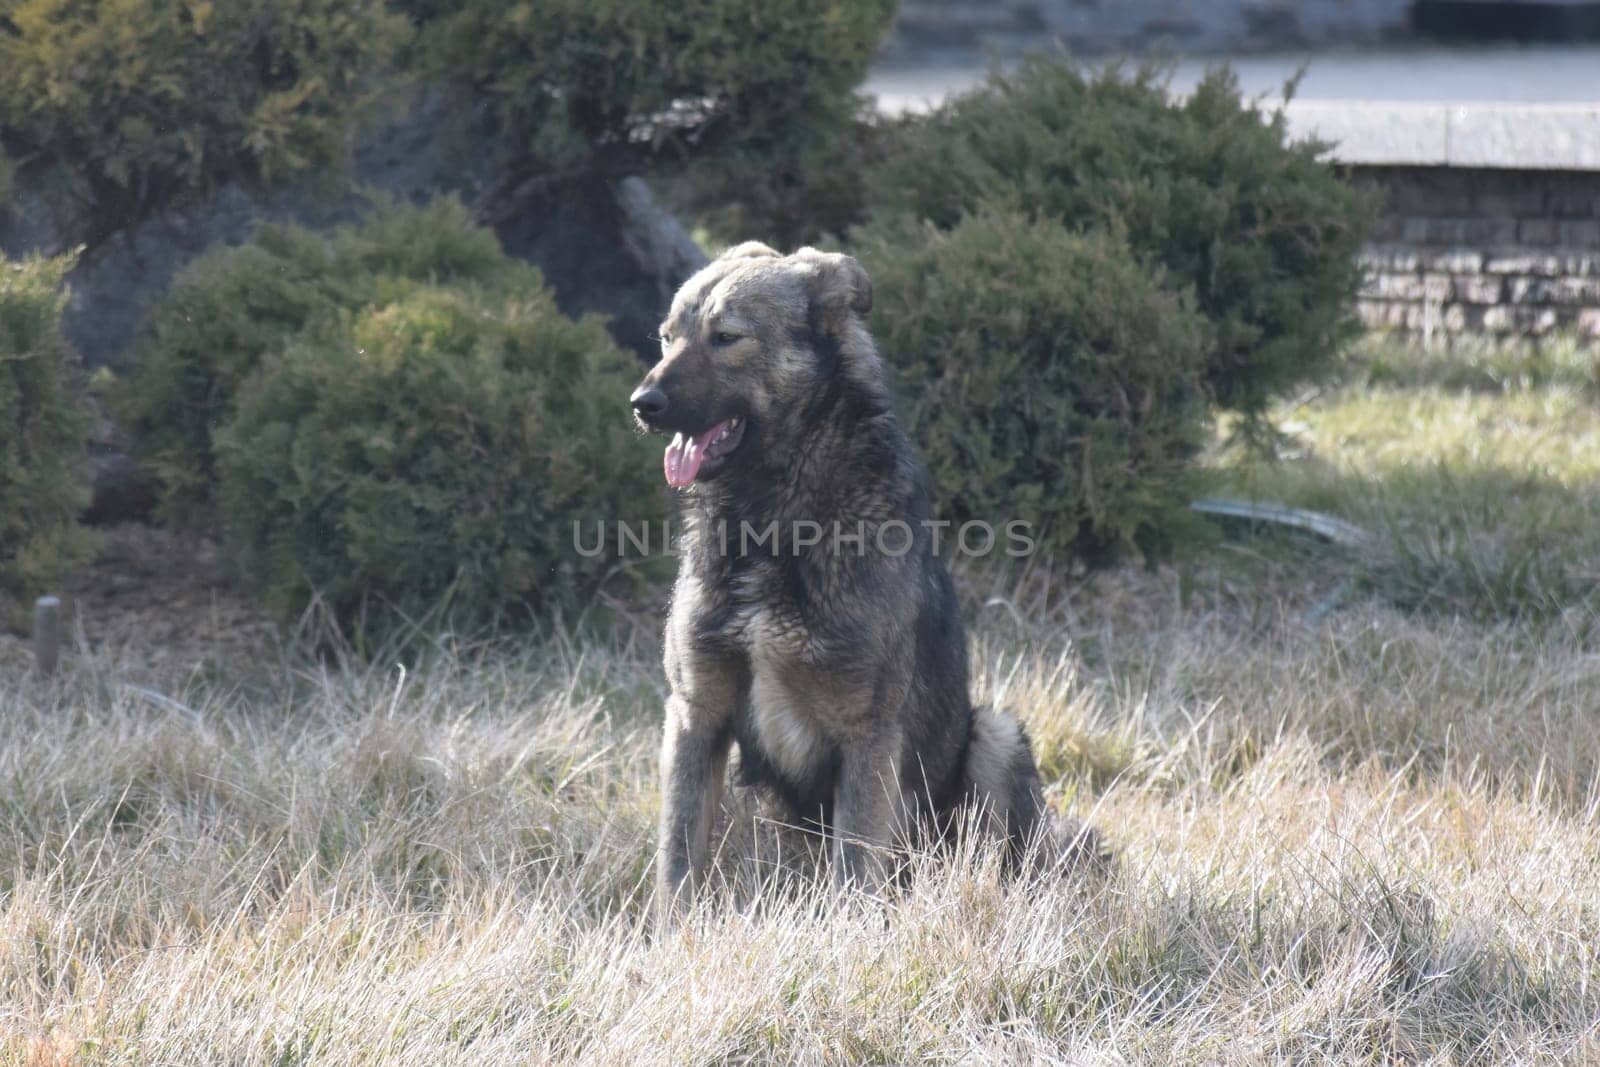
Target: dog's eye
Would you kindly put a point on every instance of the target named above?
(723, 340)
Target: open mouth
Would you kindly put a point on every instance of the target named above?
(689, 457)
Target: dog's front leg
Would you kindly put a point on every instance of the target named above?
(868, 810)
(694, 757)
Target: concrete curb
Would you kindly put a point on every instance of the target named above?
(1367, 132)
(1510, 136)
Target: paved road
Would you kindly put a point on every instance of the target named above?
(1499, 75)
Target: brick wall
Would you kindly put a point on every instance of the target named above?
(1484, 250)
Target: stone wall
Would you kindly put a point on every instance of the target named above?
(1483, 250)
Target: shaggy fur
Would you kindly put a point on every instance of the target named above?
(838, 667)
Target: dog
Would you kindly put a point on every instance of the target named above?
(812, 622)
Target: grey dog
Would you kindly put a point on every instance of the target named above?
(812, 623)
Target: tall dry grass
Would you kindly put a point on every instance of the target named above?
(1365, 840)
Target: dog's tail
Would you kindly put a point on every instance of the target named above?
(1002, 779)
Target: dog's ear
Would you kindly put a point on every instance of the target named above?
(749, 250)
(839, 286)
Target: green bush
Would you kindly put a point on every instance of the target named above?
(815, 193)
(44, 473)
(1047, 376)
(573, 78)
(1207, 188)
(756, 94)
(115, 110)
(435, 449)
(232, 307)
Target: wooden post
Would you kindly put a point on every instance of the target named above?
(47, 634)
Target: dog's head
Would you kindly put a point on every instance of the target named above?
(751, 341)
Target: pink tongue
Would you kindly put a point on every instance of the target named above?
(684, 456)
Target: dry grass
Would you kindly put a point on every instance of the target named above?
(1368, 838)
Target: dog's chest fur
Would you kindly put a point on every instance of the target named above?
(783, 722)
(795, 713)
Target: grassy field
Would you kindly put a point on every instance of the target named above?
(1355, 798)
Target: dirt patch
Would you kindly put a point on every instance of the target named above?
(158, 600)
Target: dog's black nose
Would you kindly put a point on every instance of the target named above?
(648, 402)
